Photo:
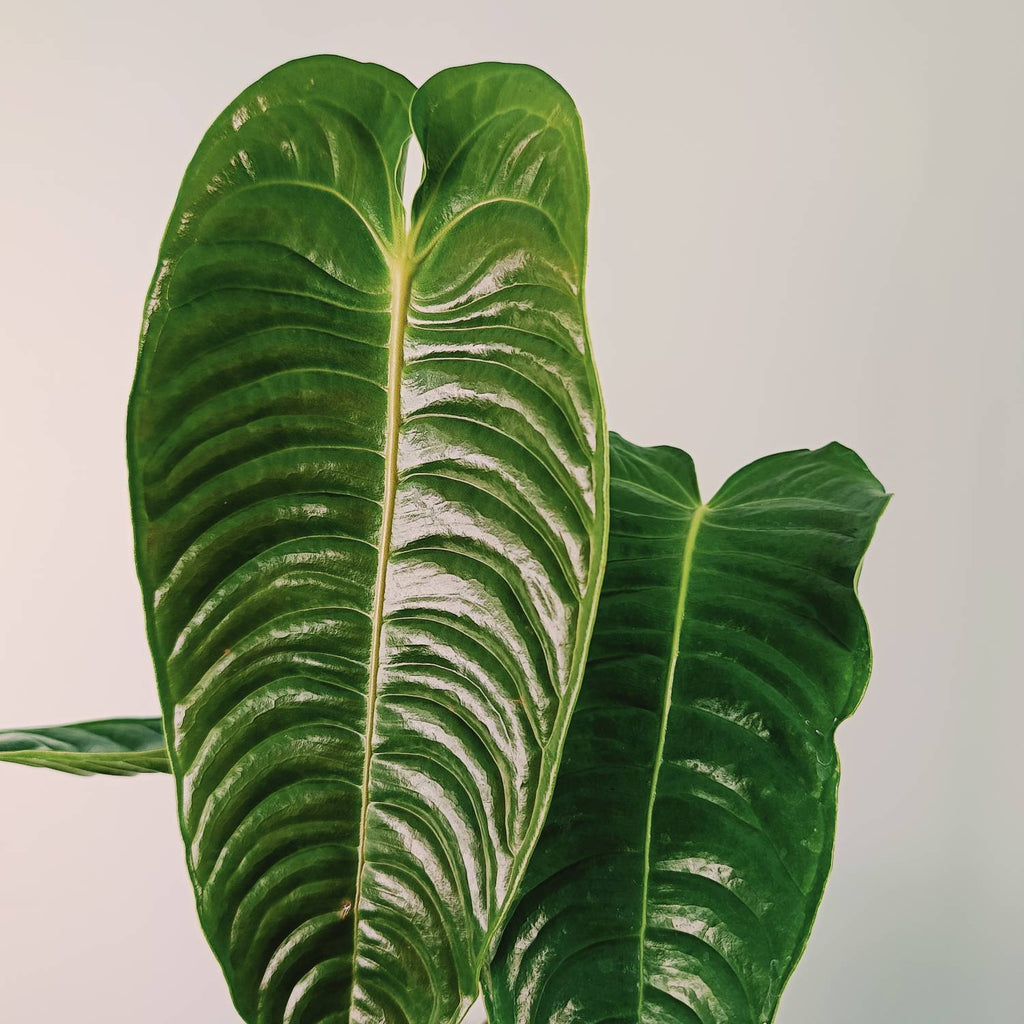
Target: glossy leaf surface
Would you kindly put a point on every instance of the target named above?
(691, 830)
(368, 476)
(114, 746)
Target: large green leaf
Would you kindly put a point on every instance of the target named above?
(691, 830)
(114, 746)
(368, 485)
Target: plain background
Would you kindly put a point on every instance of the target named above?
(806, 225)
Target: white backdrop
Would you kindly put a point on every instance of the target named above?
(807, 224)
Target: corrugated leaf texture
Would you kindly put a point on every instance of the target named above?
(368, 483)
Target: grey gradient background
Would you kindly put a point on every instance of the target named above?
(806, 225)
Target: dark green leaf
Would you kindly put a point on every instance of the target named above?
(691, 829)
(368, 474)
(114, 746)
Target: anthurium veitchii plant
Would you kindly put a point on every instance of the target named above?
(458, 690)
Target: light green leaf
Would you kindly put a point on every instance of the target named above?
(691, 830)
(114, 746)
(368, 485)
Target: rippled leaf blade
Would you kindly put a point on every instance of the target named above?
(112, 746)
(691, 830)
(367, 468)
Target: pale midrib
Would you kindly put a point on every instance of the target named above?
(677, 628)
(402, 268)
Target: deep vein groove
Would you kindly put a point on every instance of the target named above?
(401, 277)
(684, 585)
